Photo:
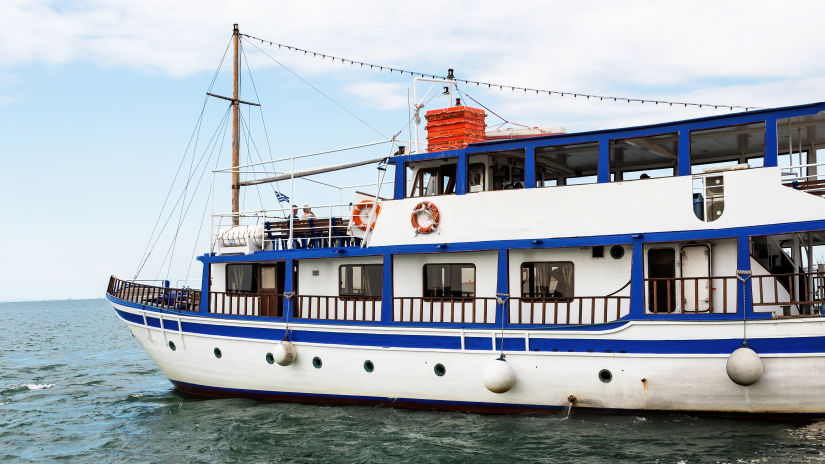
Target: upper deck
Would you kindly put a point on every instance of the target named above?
(713, 172)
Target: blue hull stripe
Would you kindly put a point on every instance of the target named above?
(790, 345)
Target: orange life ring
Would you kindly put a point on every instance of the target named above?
(356, 214)
(430, 210)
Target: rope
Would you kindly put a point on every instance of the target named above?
(743, 276)
(319, 91)
(491, 85)
(502, 298)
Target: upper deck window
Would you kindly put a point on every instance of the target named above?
(499, 170)
(642, 157)
(437, 179)
(727, 145)
(567, 164)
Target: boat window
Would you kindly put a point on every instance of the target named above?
(661, 270)
(360, 280)
(801, 150)
(567, 164)
(449, 280)
(436, 180)
(475, 177)
(240, 278)
(723, 146)
(708, 197)
(506, 170)
(547, 280)
(644, 157)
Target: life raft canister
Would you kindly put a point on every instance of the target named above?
(431, 213)
(362, 207)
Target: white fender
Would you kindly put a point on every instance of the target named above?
(744, 366)
(285, 353)
(499, 376)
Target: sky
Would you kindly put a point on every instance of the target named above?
(99, 99)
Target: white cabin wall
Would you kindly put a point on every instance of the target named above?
(326, 282)
(638, 206)
(591, 276)
(408, 272)
(218, 276)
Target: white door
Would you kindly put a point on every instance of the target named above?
(695, 278)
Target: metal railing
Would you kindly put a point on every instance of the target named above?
(277, 229)
(179, 299)
(805, 177)
(693, 294)
(337, 308)
(478, 310)
(574, 311)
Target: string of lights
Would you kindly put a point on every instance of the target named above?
(490, 85)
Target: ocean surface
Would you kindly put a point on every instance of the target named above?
(76, 387)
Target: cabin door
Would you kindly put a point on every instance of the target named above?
(696, 276)
(661, 264)
(272, 289)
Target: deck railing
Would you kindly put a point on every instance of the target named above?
(797, 288)
(457, 310)
(573, 311)
(246, 304)
(337, 308)
(691, 295)
(180, 299)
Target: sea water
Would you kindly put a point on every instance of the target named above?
(75, 386)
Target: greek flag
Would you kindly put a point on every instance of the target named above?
(281, 197)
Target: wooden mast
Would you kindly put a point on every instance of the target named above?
(236, 139)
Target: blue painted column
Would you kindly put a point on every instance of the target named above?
(743, 263)
(683, 163)
(288, 284)
(637, 280)
(502, 285)
(205, 288)
(771, 144)
(603, 175)
(400, 180)
(530, 167)
(461, 173)
(386, 291)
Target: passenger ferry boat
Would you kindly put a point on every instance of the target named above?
(667, 267)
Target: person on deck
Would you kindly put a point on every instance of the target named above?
(308, 213)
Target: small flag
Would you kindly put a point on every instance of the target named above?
(281, 197)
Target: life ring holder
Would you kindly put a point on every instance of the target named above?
(356, 214)
(428, 208)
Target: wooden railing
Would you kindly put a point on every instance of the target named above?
(457, 310)
(575, 311)
(693, 294)
(246, 304)
(180, 299)
(798, 288)
(337, 308)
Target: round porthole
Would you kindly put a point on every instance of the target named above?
(316, 362)
(605, 375)
(172, 345)
(270, 359)
(439, 369)
(616, 252)
(217, 352)
(369, 366)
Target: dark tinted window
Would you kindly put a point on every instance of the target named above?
(449, 280)
(360, 280)
(240, 278)
(547, 280)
